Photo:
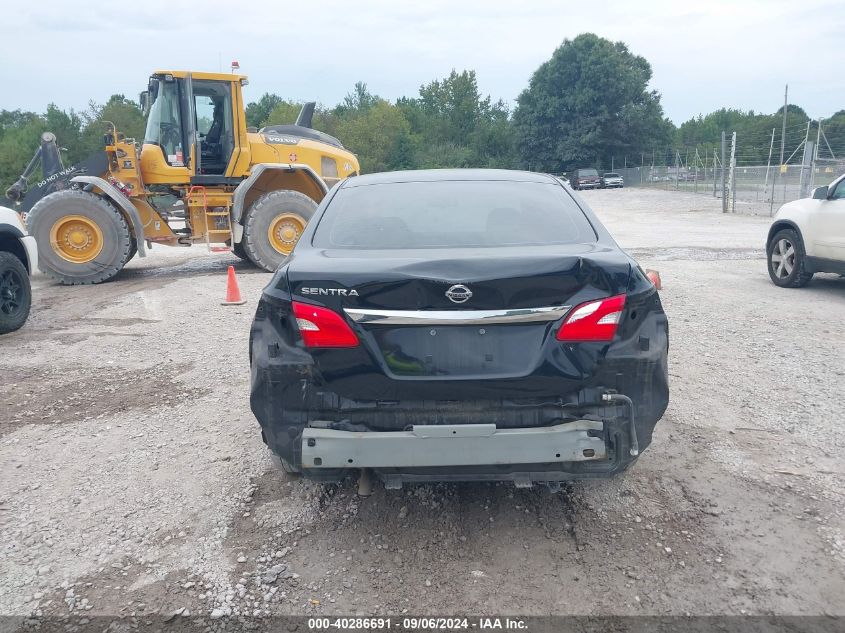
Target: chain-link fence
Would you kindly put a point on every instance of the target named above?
(751, 183)
(737, 176)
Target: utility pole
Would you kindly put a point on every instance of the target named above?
(724, 184)
(733, 173)
(769, 163)
(677, 169)
(783, 130)
(829, 149)
(782, 151)
(806, 169)
(815, 156)
(697, 160)
(807, 161)
(715, 160)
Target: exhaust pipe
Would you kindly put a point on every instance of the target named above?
(306, 114)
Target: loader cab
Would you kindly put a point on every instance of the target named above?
(164, 131)
(212, 110)
(193, 128)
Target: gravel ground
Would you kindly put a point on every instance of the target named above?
(133, 479)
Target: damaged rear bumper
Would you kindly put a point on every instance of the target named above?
(578, 449)
(453, 445)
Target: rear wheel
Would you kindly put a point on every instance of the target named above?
(133, 249)
(786, 259)
(15, 293)
(274, 224)
(82, 238)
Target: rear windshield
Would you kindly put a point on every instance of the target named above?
(452, 214)
(587, 172)
(610, 174)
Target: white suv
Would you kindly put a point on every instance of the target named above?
(808, 236)
(18, 258)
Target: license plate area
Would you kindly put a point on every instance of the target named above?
(460, 350)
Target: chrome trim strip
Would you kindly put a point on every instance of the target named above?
(455, 317)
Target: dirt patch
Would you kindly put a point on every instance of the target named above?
(51, 395)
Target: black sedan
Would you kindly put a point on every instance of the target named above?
(458, 325)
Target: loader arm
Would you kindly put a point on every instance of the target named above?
(49, 156)
(56, 176)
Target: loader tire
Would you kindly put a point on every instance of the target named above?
(273, 225)
(238, 249)
(82, 238)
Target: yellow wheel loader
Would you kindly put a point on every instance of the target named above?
(200, 175)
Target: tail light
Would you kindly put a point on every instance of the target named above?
(321, 327)
(593, 321)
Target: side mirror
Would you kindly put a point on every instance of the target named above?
(820, 193)
(144, 100)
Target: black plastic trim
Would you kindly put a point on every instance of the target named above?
(825, 265)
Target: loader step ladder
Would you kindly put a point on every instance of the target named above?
(211, 226)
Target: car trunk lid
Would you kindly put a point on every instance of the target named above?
(430, 315)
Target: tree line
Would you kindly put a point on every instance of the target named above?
(589, 105)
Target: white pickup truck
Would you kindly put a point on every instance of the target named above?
(18, 259)
(807, 236)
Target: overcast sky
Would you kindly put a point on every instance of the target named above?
(705, 54)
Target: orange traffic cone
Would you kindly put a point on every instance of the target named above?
(233, 293)
(654, 277)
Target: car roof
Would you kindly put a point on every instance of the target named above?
(439, 175)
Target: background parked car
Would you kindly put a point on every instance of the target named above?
(611, 179)
(585, 179)
(18, 258)
(808, 236)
